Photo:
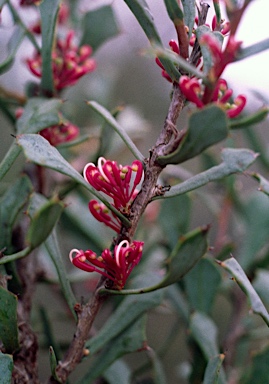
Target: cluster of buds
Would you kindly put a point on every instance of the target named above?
(59, 134)
(69, 62)
(115, 181)
(193, 90)
(115, 267)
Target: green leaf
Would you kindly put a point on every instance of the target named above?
(174, 11)
(51, 244)
(53, 362)
(189, 14)
(10, 207)
(253, 49)
(49, 13)
(179, 302)
(13, 45)
(201, 285)
(39, 113)
(118, 373)
(39, 150)
(130, 340)
(174, 218)
(6, 368)
(43, 222)
(257, 306)
(204, 332)
(8, 320)
(259, 368)
(98, 26)
(247, 121)
(116, 126)
(234, 160)
(212, 372)
(206, 127)
(130, 309)
(189, 249)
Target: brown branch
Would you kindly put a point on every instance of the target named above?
(88, 312)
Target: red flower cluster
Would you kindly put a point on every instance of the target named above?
(115, 267)
(58, 134)
(194, 91)
(69, 62)
(115, 181)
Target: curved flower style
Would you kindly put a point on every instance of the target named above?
(101, 213)
(193, 90)
(115, 181)
(69, 63)
(117, 268)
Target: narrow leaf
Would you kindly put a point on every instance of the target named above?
(130, 340)
(13, 46)
(158, 370)
(6, 368)
(257, 306)
(116, 126)
(234, 160)
(94, 33)
(38, 150)
(10, 207)
(8, 320)
(174, 11)
(247, 121)
(49, 12)
(130, 309)
(253, 49)
(212, 372)
(189, 14)
(206, 127)
(52, 247)
(204, 332)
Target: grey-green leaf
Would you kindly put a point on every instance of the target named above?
(212, 372)
(94, 33)
(206, 127)
(13, 46)
(234, 160)
(6, 368)
(130, 340)
(257, 306)
(8, 320)
(49, 12)
(201, 285)
(39, 150)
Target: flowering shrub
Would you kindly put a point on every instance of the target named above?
(142, 238)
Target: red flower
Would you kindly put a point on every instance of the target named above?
(69, 63)
(115, 267)
(194, 91)
(101, 213)
(58, 134)
(115, 181)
